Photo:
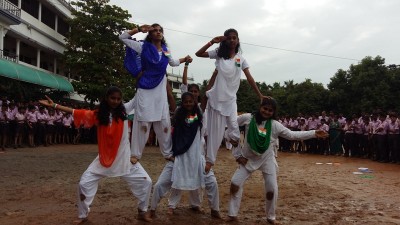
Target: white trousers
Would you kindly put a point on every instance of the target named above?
(196, 196)
(216, 124)
(138, 180)
(140, 134)
(270, 185)
(164, 184)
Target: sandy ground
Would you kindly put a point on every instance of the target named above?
(38, 186)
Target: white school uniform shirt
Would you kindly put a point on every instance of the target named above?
(31, 117)
(393, 128)
(324, 127)
(19, 117)
(358, 128)
(67, 121)
(384, 126)
(150, 104)
(312, 124)
(266, 161)
(51, 119)
(293, 124)
(222, 96)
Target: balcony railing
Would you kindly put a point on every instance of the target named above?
(8, 56)
(10, 7)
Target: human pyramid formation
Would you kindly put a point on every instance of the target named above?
(191, 149)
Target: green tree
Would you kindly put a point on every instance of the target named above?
(94, 55)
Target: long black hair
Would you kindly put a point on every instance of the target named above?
(181, 112)
(148, 37)
(103, 113)
(266, 101)
(224, 50)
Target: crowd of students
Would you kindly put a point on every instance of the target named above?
(31, 125)
(375, 136)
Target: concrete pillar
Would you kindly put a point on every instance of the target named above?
(55, 65)
(2, 34)
(56, 24)
(40, 12)
(19, 3)
(38, 58)
(17, 48)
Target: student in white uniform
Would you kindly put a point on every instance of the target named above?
(114, 158)
(210, 181)
(151, 102)
(262, 130)
(221, 105)
(164, 183)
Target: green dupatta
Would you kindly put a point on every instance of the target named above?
(259, 138)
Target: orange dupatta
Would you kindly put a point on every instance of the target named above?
(108, 137)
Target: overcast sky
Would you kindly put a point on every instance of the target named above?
(351, 29)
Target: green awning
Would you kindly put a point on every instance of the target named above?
(20, 72)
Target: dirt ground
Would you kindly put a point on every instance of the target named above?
(38, 186)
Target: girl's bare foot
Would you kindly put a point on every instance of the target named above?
(232, 219)
(170, 211)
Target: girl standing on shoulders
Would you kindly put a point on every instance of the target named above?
(221, 105)
(151, 101)
(114, 158)
(262, 131)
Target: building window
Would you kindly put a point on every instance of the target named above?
(31, 7)
(48, 17)
(63, 27)
(27, 54)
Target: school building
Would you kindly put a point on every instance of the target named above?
(175, 81)
(32, 34)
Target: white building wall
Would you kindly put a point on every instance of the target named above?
(39, 33)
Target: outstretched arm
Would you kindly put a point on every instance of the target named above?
(50, 103)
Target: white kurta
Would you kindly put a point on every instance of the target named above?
(222, 96)
(150, 104)
(265, 161)
(188, 170)
(121, 165)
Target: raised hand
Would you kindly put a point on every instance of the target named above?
(146, 28)
(188, 59)
(47, 102)
(218, 39)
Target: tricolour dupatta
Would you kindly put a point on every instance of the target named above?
(259, 138)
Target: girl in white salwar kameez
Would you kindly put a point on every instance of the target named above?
(262, 132)
(151, 101)
(210, 182)
(114, 158)
(185, 170)
(221, 105)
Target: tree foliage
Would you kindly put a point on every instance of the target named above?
(94, 54)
